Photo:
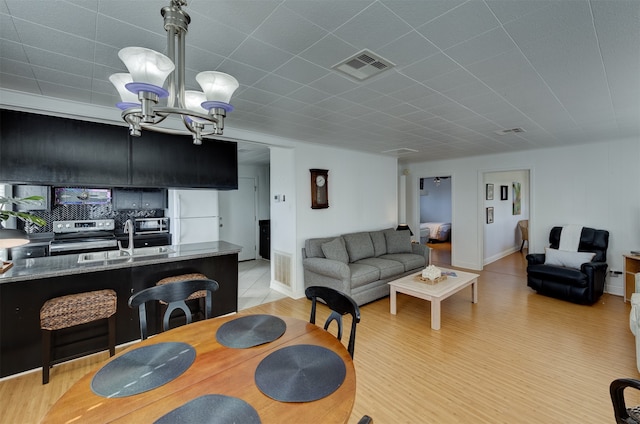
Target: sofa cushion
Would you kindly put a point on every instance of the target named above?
(566, 258)
(335, 250)
(387, 267)
(313, 247)
(379, 242)
(398, 241)
(409, 260)
(362, 274)
(359, 245)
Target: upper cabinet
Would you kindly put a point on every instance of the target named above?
(139, 199)
(43, 149)
(40, 149)
(163, 160)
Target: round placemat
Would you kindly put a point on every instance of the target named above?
(250, 331)
(301, 373)
(212, 409)
(143, 369)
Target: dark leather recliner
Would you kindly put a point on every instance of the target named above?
(584, 285)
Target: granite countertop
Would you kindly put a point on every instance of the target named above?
(53, 266)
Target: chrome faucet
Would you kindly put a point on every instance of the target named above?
(130, 229)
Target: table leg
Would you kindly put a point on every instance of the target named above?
(435, 314)
(474, 291)
(392, 299)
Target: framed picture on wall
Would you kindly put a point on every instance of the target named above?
(489, 192)
(504, 192)
(517, 202)
(489, 215)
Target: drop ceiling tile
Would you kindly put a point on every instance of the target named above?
(288, 31)
(389, 82)
(65, 92)
(301, 71)
(412, 92)
(408, 49)
(61, 78)
(287, 104)
(46, 59)
(260, 55)
(203, 33)
(430, 67)
(119, 34)
(374, 26)
(462, 92)
(258, 96)
(12, 51)
(430, 101)
(245, 15)
(50, 39)
(417, 12)
(456, 78)
(360, 95)
(509, 10)
(198, 60)
(445, 31)
(329, 51)
(7, 28)
(333, 83)
(335, 104)
(57, 15)
(20, 83)
(277, 84)
(13, 67)
(401, 110)
(487, 45)
(246, 75)
(308, 95)
(327, 14)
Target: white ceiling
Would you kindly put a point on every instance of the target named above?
(565, 71)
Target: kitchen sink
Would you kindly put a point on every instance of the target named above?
(117, 255)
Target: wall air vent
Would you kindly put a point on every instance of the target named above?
(400, 151)
(510, 131)
(363, 65)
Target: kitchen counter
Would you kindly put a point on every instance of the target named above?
(31, 282)
(54, 266)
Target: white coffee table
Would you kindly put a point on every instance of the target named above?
(435, 293)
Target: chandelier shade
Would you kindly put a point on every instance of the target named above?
(146, 66)
(141, 90)
(217, 86)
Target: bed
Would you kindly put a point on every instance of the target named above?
(439, 231)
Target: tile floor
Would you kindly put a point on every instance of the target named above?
(254, 278)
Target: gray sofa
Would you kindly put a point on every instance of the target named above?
(361, 264)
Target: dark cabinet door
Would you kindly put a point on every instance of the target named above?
(50, 150)
(164, 160)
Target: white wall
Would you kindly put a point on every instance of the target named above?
(596, 185)
(261, 174)
(502, 237)
(362, 196)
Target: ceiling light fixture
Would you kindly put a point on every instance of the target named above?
(202, 113)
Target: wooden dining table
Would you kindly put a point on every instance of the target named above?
(217, 370)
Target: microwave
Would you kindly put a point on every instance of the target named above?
(151, 225)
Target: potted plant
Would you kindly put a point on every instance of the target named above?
(10, 237)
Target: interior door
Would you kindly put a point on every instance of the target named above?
(238, 222)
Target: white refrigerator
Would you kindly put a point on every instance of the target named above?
(194, 215)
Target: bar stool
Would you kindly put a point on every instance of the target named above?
(200, 295)
(75, 309)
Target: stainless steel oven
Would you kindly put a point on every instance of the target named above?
(151, 225)
(82, 236)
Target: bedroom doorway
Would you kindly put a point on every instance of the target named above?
(435, 217)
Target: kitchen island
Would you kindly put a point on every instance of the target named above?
(30, 282)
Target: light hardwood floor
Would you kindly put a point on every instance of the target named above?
(514, 357)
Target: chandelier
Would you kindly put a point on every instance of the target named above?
(202, 112)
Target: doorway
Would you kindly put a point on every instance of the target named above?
(435, 217)
(238, 222)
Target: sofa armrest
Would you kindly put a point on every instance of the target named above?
(535, 258)
(422, 250)
(328, 268)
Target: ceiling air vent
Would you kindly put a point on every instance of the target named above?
(400, 151)
(510, 131)
(363, 65)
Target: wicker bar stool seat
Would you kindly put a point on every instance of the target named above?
(186, 277)
(75, 309)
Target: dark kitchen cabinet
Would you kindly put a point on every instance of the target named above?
(163, 160)
(139, 199)
(40, 149)
(265, 238)
(22, 191)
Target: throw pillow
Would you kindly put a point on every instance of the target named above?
(335, 250)
(566, 258)
(398, 241)
(359, 245)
